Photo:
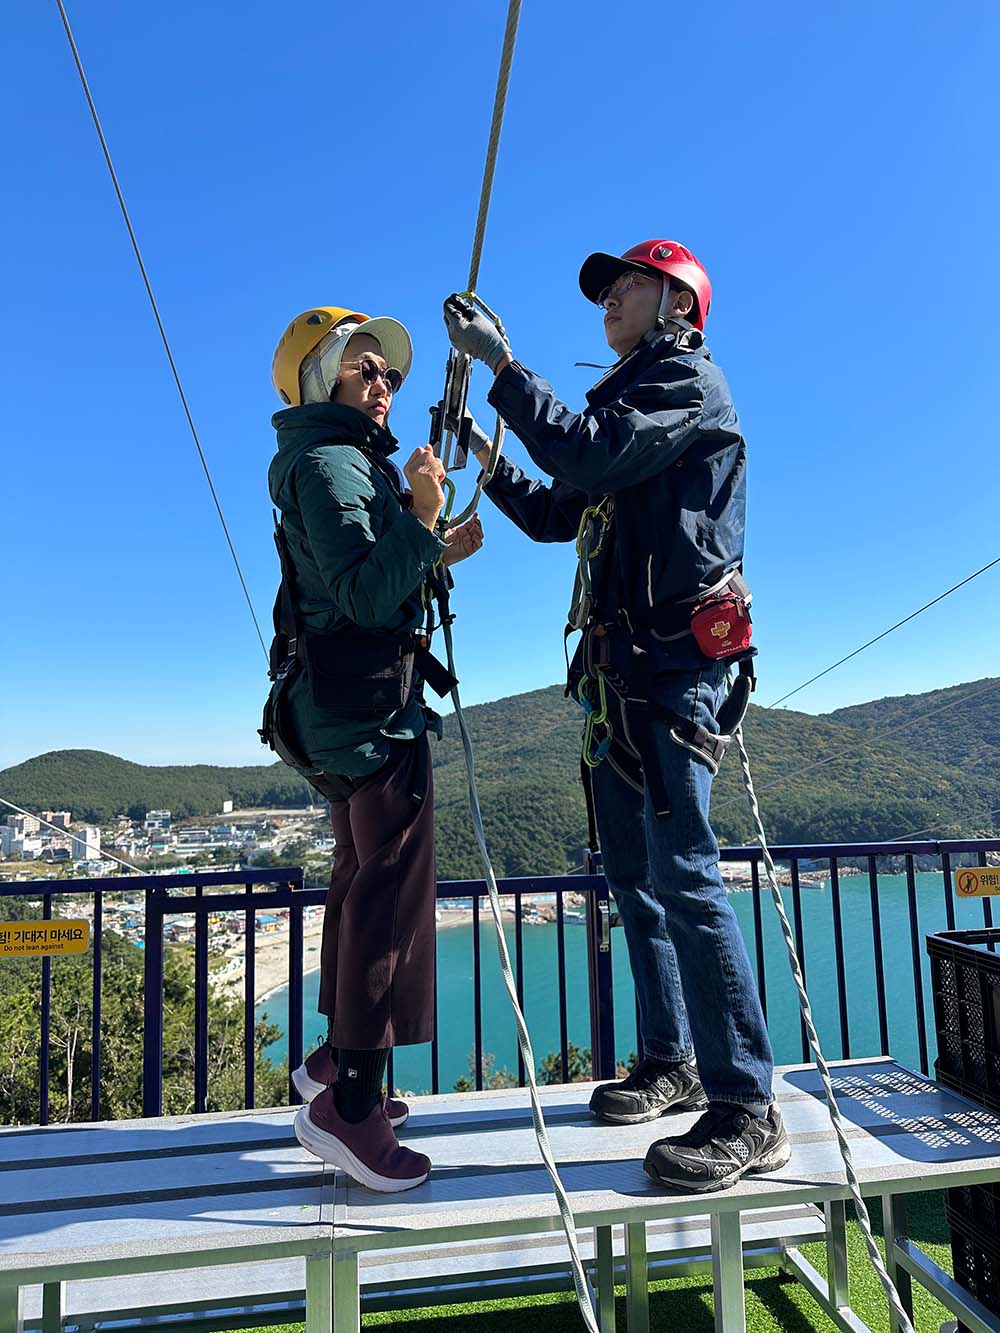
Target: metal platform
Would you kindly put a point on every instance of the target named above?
(195, 1193)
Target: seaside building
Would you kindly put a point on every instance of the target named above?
(23, 826)
(86, 844)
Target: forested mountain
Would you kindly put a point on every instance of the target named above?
(875, 771)
(818, 779)
(95, 786)
(959, 726)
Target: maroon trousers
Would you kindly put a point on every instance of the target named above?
(377, 963)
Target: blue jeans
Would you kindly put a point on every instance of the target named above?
(697, 993)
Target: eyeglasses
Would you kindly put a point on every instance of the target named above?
(371, 372)
(620, 286)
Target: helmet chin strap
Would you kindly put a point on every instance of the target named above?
(661, 316)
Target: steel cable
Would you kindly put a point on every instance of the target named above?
(156, 315)
(878, 637)
(493, 145)
(105, 856)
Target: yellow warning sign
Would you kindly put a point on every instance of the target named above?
(36, 939)
(978, 882)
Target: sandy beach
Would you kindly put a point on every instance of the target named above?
(271, 955)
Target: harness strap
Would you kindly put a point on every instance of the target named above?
(705, 744)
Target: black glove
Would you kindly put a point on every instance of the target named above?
(472, 333)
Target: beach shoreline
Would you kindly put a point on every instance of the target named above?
(271, 955)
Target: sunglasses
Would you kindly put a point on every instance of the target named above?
(371, 372)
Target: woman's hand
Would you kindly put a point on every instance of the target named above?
(425, 473)
(463, 541)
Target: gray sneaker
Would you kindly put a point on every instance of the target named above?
(369, 1152)
(648, 1092)
(724, 1145)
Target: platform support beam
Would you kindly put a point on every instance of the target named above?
(11, 1309)
(838, 1279)
(604, 1278)
(636, 1278)
(319, 1292)
(727, 1274)
(346, 1293)
(894, 1229)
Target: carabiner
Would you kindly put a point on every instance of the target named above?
(596, 717)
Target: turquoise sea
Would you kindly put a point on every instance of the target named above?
(541, 1000)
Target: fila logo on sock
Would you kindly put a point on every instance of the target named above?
(352, 1073)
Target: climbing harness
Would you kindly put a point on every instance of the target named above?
(350, 667)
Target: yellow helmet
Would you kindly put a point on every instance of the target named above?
(302, 339)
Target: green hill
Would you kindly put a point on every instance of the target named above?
(958, 726)
(818, 779)
(97, 786)
(874, 771)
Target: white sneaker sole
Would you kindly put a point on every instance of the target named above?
(328, 1148)
(308, 1088)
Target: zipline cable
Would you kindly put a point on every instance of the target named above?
(493, 145)
(991, 684)
(105, 856)
(878, 637)
(156, 314)
(903, 1323)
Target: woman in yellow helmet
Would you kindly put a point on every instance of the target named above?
(347, 710)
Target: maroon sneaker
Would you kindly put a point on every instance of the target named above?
(369, 1152)
(319, 1070)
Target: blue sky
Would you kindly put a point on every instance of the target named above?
(832, 167)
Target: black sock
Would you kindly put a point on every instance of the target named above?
(359, 1083)
(329, 1039)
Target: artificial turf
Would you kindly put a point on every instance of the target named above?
(773, 1304)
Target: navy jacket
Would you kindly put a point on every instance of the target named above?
(661, 435)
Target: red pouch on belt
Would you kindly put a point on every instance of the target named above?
(721, 625)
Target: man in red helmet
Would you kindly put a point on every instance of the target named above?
(650, 480)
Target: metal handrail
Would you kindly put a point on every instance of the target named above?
(250, 891)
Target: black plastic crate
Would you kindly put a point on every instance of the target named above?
(965, 979)
(975, 1256)
(978, 1207)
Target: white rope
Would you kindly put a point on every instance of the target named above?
(864, 1221)
(580, 1283)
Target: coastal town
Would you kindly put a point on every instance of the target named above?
(54, 845)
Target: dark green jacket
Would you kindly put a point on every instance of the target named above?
(359, 558)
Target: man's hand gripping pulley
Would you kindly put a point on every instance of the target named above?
(475, 331)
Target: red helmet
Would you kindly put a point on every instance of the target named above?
(661, 256)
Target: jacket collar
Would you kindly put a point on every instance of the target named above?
(679, 338)
(341, 425)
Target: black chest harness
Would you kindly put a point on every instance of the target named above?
(350, 670)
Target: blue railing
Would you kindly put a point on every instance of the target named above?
(859, 962)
